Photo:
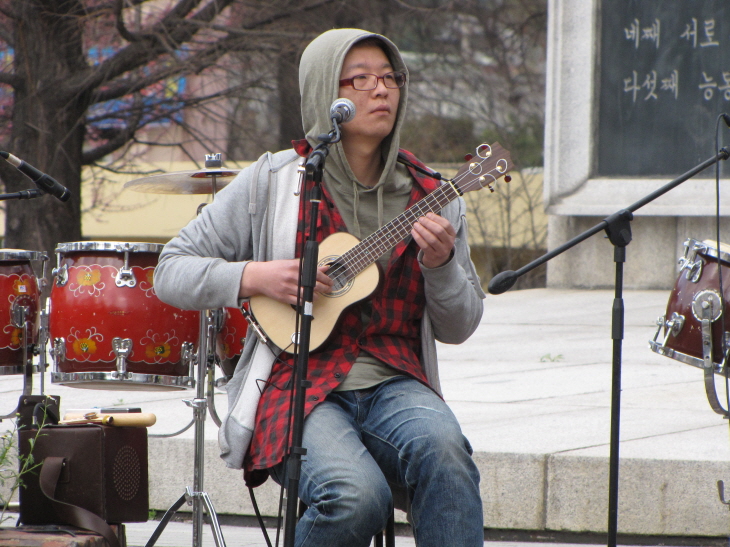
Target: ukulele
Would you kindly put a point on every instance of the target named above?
(352, 263)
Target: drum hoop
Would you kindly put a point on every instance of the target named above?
(134, 378)
(109, 246)
(19, 254)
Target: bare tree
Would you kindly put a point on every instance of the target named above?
(98, 82)
(82, 76)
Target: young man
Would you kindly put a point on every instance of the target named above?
(375, 418)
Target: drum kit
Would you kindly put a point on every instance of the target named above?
(695, 329)
(106, 328)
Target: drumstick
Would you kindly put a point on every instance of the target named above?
(132, 419)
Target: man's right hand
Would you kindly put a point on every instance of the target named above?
(278, 279)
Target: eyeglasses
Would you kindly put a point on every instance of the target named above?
(368, 82)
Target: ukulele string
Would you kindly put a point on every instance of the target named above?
(362, 253)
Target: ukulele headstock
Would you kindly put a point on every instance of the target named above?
(490, 163)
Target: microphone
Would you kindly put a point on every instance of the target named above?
(45, 182)
(342, 110)
(725, 117)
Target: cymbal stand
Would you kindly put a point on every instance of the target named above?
(210, 324)
(196, 496)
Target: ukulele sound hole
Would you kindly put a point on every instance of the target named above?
(339, 274)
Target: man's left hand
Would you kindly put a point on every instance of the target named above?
(435, 236)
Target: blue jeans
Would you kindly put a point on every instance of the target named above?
(399, 432)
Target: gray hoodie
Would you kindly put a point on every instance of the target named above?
(254, 218)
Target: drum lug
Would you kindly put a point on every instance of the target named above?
(675, 324)
(61, 275)
(694, 269)
(58, 351)
(125, 277)
(690, 262)
(122, 347)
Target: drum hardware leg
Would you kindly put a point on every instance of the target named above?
(199, 405)
(189, 359)
(125, 276)
(18, 318)
(211, 396)
(707, 344)
(711, 392)
(58, 350)
(28, 362)
(122, 347)
(215, 324)
(708, 364)
(196, 496)
(41, 347)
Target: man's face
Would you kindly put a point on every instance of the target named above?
(375, 109)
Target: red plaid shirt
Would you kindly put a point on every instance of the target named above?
(392, 335)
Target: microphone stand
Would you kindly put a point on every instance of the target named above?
(618, 229)
(314, 170)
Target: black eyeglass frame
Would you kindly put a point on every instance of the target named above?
(396, 74)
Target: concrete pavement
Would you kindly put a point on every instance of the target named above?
(532, 390)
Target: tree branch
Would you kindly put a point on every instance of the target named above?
(10, 79)
(134, 124)
(191, 65)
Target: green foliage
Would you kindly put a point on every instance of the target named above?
(13, 466)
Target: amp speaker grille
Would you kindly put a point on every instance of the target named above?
(126, 473)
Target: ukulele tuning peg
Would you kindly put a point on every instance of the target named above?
(484, 151)
(483, 181)
(507, 178)
(468, 157)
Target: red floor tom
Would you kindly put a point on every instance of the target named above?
(108, 329)
(20, 297)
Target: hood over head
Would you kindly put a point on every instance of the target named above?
(319, 75)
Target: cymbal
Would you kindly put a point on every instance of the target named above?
(184, 182)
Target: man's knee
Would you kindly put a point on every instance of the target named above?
(361, 500)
